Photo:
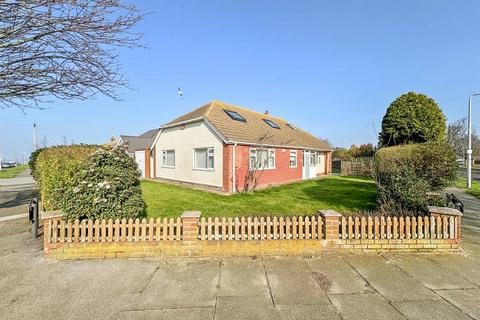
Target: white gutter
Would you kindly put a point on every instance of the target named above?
(277, 146)
(233, 169)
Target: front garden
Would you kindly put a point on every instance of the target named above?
(343, 194)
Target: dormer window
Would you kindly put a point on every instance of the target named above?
(234, 115)
(271, 123)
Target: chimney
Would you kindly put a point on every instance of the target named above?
(266, 113)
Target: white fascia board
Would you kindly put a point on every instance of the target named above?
(156, 139)
(215, 130)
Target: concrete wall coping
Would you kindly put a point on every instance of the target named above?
(51, 214)
(445, 211)
(191, 214)
(329, 213)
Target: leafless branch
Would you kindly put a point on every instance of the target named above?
(63, 49)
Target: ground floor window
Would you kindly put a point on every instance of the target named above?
(203, 158)
(168, 158)
(293, 158)
(319, 157)
(312, 158)
(262, 159)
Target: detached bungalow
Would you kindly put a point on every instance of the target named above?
(227, 147)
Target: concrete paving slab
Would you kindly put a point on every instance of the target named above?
(389, 280)
(43, 294)
(168, 314)
(467, 266)
(429, 273)
(341, 276)
(466, 300)
(292, 282)
(308, 312)
(429, 310)
(243, 308)
(370, 306)
(243, 277)
(182, 283)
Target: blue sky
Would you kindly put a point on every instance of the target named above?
(331, 67)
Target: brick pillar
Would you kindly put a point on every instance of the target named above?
(449, 212)
(46, 234)
(331, 223)
(190, 225)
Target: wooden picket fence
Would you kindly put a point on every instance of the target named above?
(360, 227)
(114, 230)
(263, 228)
(401, 227)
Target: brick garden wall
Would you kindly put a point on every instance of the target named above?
(192, 235)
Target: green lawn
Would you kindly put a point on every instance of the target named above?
(343, 194)
(6, 173)
(475, 190)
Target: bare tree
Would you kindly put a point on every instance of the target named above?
(64, 49)
(326, 142)
(457, 136)
(256, 167)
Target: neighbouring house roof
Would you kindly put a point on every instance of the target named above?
(253, 130)
(141, 142)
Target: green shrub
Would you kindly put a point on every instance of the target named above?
(412, 118)
(399, 189)
(433, 162)
(404, 174)
(54, 169)
(107, 186)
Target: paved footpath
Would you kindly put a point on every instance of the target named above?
(15, 194)
(330, 287)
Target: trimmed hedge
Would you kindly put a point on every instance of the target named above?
(404, 174)
(54, 168)
(32, 163)
(106, 187)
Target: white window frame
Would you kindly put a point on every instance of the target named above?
(314, 154)
(293, 153)
(210, 154)
(270, 154)
(164, 158)
(319, 158)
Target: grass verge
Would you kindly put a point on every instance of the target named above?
(7, 173)
(474, 191)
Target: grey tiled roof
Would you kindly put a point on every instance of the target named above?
(141, 142)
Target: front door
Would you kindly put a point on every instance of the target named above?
(306, 164)
(308, 171)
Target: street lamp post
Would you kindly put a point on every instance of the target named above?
(469, 150)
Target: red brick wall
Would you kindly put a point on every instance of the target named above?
(282, 172)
